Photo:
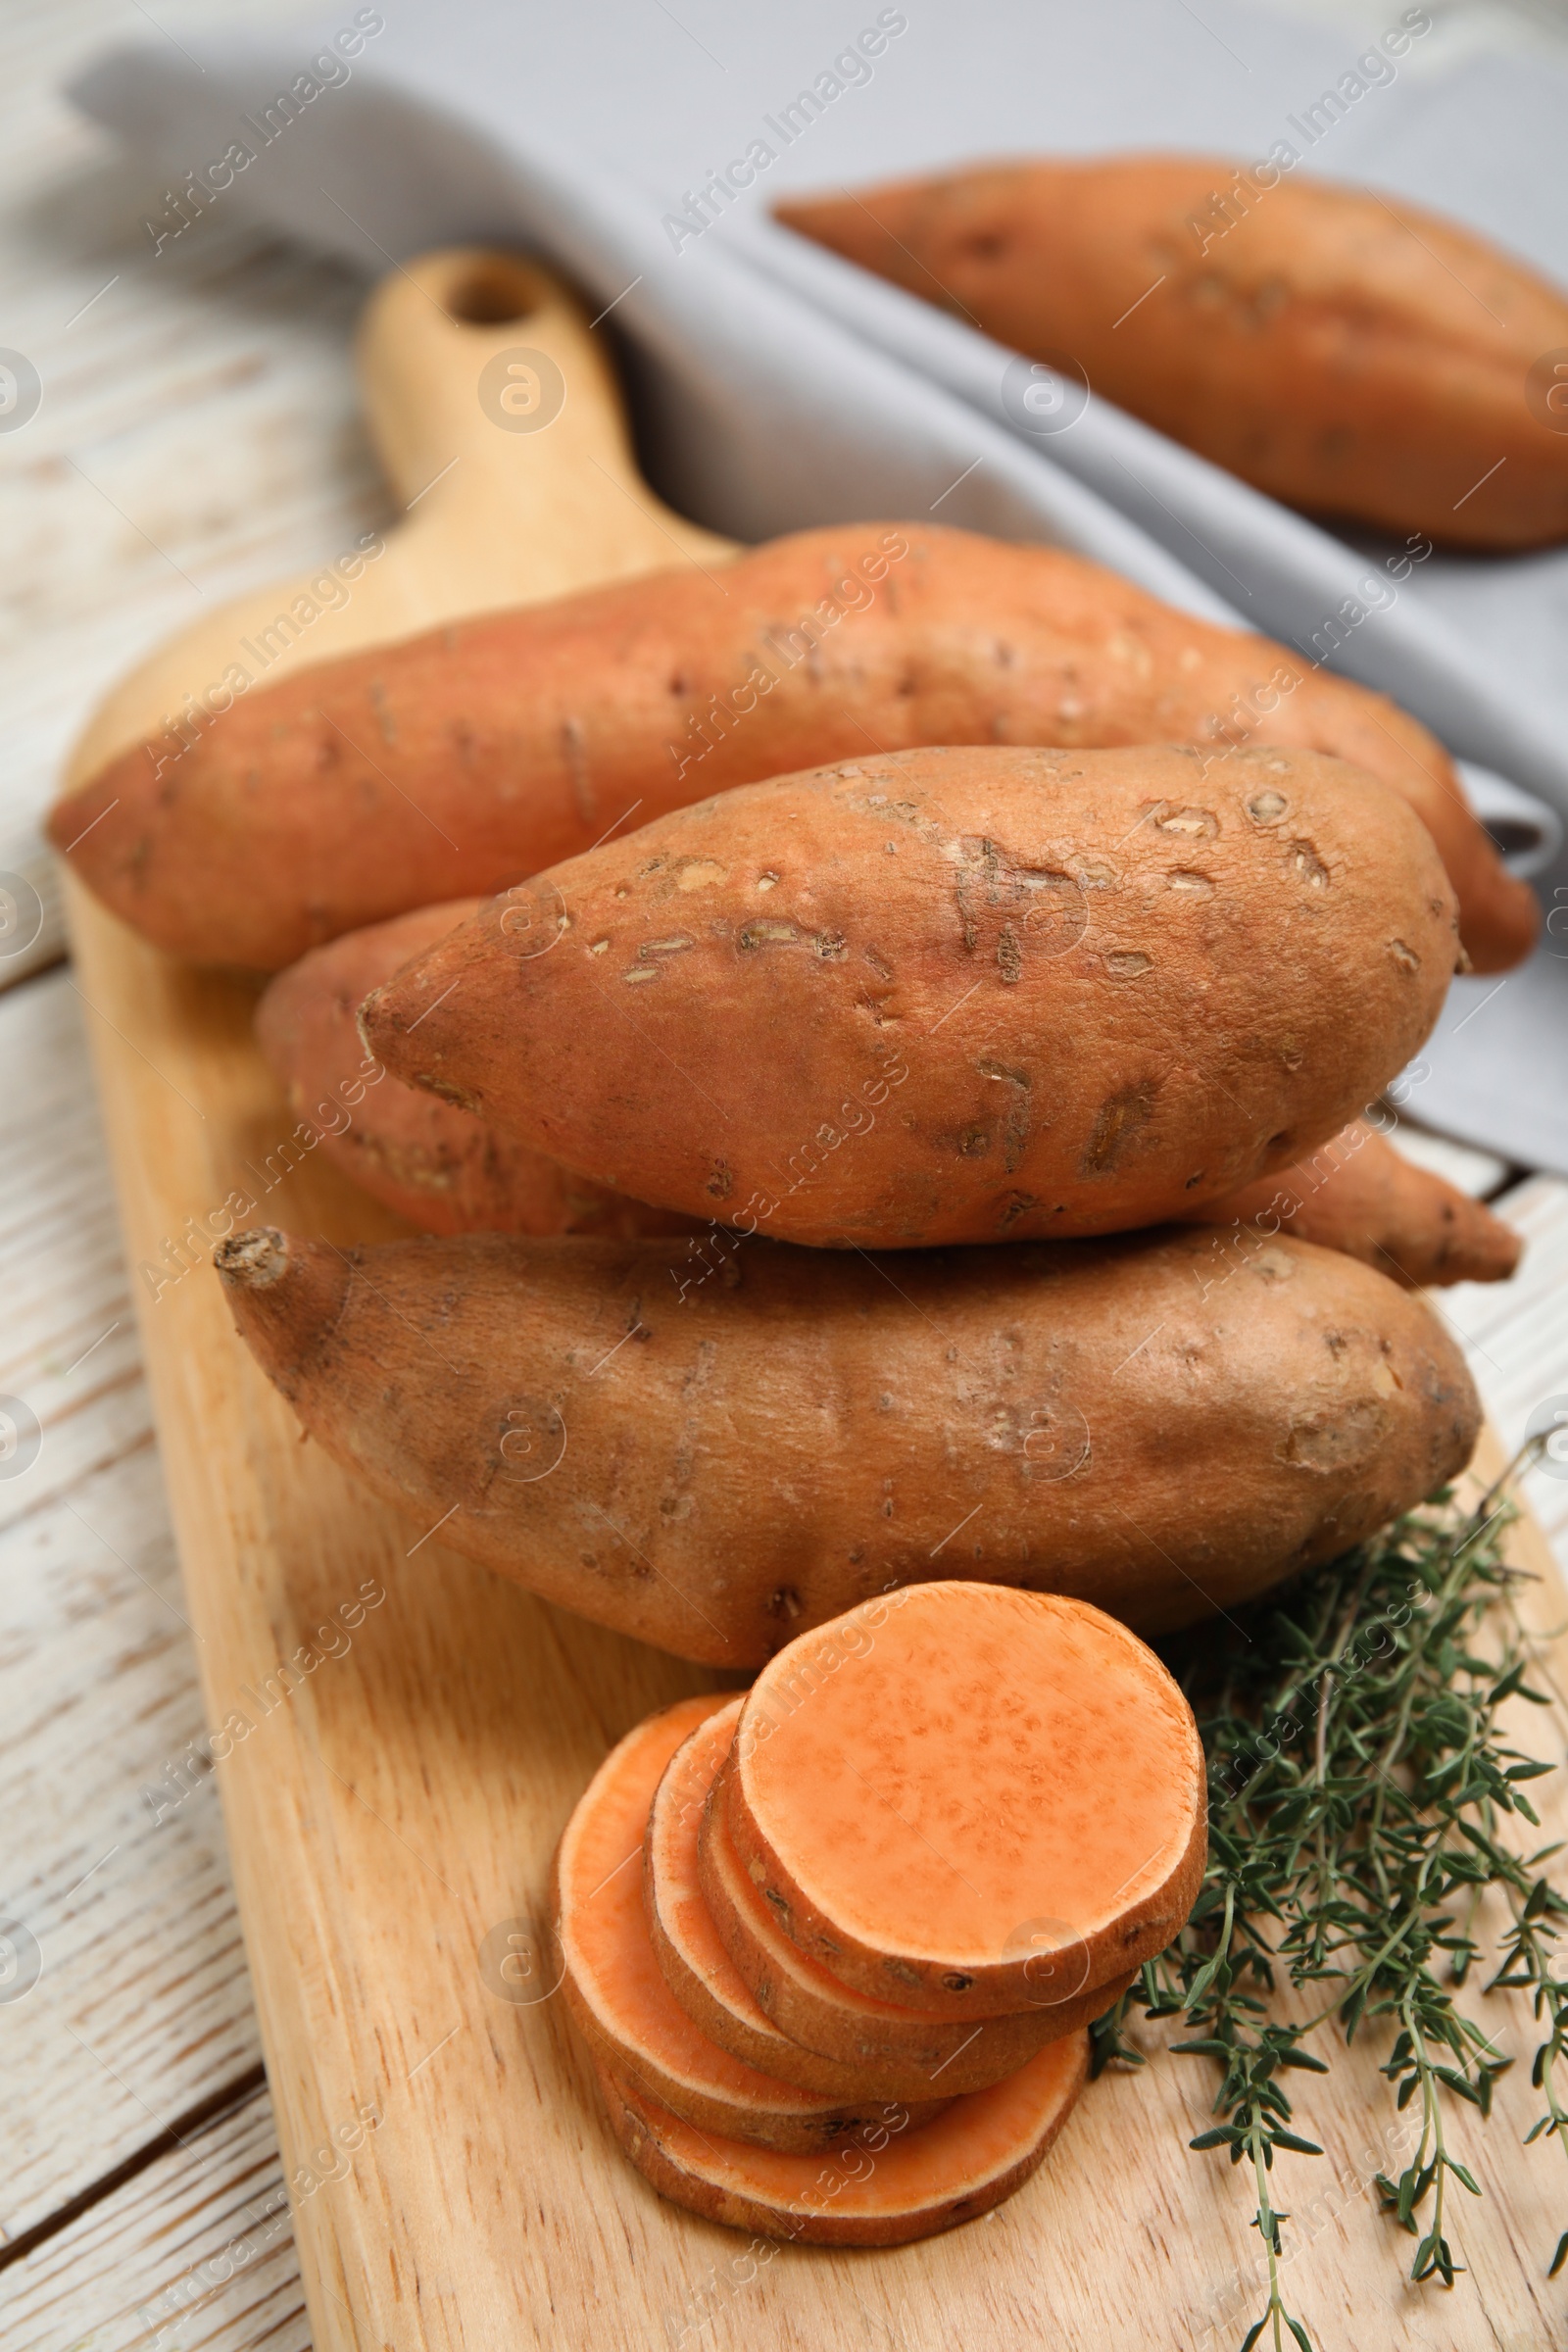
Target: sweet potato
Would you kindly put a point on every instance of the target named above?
(886, 2188)
(463, 761)
(923, 1789)
(912, 2048)
(438, 1166)
(1361, 1195)
(950, 995)
(882, 2049)
(450, 1172)
(616, 1991)
(1346, 354)
(1163, 1424)
(689, 1951)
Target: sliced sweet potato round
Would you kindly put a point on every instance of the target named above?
(616, 1991)
(913, 2051)
(892, 2182)
(956, 1786)
(690, 1952)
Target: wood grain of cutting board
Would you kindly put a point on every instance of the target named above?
(393, 1802)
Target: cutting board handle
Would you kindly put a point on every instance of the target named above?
(469, 358)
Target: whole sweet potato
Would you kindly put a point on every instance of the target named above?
(950, 996)
(438, 1166)
(1346, 354)
(450, 1172)
(715, 1468)
(463, 761)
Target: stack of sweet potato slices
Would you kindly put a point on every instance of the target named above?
(833, 1946)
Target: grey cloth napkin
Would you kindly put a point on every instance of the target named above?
(775, 387)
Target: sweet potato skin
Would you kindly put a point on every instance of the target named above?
(1344, 354)
(1159, 1424)
(951, 995)
(440, 1167)
(449, 1172)
(1361, 1195)
(461, 762)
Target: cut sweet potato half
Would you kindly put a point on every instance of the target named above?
(616, 1991)
(960, 1786)
(884, 2187)
(913, 2052)
(690, 1952)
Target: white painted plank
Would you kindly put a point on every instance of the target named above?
(194, 2255)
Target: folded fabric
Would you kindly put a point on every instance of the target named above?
(775, 387)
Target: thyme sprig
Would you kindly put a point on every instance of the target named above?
(1362, 1802)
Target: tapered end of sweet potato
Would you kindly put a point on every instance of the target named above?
(285, 1294)
(1499, 916)
(871, 229)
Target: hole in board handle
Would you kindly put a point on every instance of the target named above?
(494, 292)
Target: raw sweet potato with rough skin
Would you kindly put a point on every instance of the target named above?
(1361, 1195)
(950, 996)
(463, 761)
(438, 1166)
(950, 1784)
(916, 2048)
(1346, 354)
(449, 1172)
(617, 1994)
(1161, 1424)
(886, 2186)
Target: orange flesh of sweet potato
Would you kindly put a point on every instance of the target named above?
(438, 1166)
(717, 1470)
(971, 995)
(309, 808)
(915, 1788)
(1361, 1195)
(885, 2188)
(1345, 354)
(689, 1951)
(919, 2052)
(616, 1994)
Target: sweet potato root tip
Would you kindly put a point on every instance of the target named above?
(1359, 1195)
(457, 1373)
(949, 1789)
(887, 2186)
(566, 716)
(252, 1260)
(933, 997)
(614, 1990)
(911, 2048)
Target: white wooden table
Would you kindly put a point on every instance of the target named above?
(198, 435)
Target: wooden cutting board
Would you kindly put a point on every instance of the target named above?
(402, 1736)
